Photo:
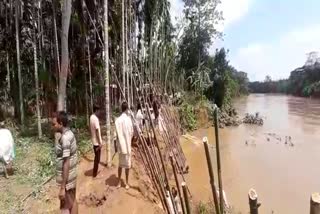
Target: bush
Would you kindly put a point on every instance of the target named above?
(46, 161)
(79, 122)
(187, 117)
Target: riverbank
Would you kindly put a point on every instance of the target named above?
(101, 195)
(32, 192)
(251, 156)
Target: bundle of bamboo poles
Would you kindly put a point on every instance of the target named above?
(154, 145)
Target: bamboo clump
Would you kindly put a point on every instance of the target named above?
(153, 145)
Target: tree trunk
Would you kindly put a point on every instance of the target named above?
(19, 63)
(86, 87)
(8, 79)
(7, 64)
(36, 77)
(130, 53)
(90, 76)
(123, 50)
(56, 39)
(127, 57)
(106, 62)
(63, 76)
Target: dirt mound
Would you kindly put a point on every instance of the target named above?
(255, 119)
(95, 199)
(228, 116)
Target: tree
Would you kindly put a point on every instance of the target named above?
(107, 85)
(63, 76)
(201, 16)
(123, 45)
(268, 79)
(36, 76)
(59, 56)
(55, 35)
(17, 15)
(220, 76)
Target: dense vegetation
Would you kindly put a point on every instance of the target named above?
(52, 55)
(68, 55)
(209, 75)
(303, 81)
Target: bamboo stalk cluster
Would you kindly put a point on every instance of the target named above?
(156, 146)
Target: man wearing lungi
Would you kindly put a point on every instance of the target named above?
(124, 129)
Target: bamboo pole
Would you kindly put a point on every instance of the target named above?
(176, 142)
(213, 187)
(177, 183)
(154, 168)
(155, 91)
(253, 201)
(315, 203)
(156, 142)
(154, 175)
(127, 56)
(216, 127)
(186, 198)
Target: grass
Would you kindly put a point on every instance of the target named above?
(34, 163)
(208, 208)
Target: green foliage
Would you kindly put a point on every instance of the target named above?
(303, 81)
(187, 117)
(231, 87)
(46, 161)
(227, 82)
(79, 122)
(200, 16)
(269, 86)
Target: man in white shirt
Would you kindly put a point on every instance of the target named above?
(96, 138)
(7, 154)
(124, 129)
(139, 118)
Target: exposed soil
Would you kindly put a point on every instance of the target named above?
(203, 120)
(100, 195)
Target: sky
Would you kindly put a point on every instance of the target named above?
(266, 37)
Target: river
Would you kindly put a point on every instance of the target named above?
(284, 175)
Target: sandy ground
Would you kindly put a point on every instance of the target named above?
(100, 195)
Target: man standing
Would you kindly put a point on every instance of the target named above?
(66, 152)
(96, 138)
(124, 129)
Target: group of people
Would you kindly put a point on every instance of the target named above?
(126, 125)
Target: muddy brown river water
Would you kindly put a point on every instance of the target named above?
(284, 175)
